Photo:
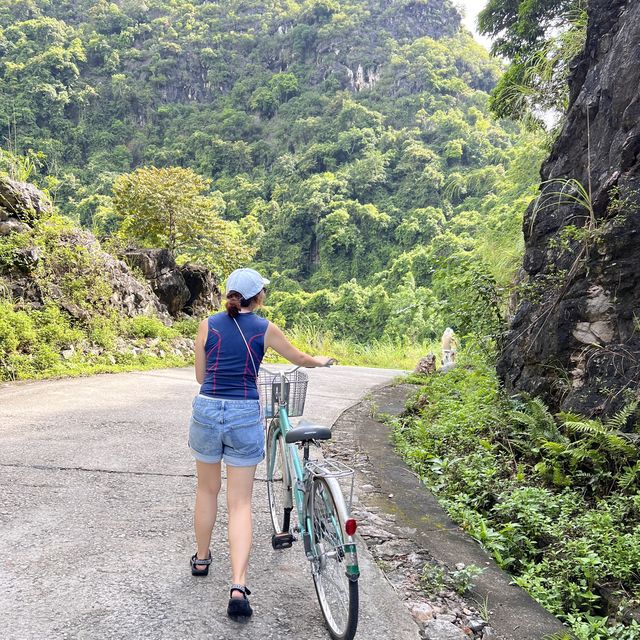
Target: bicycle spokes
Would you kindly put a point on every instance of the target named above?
(337, 591)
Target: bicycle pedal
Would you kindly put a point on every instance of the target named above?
(282, 540)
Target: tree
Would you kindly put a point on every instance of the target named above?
(540, 37)
(171, 208)
(283, 86)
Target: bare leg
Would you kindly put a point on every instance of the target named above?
(206, 506)
(239, 490)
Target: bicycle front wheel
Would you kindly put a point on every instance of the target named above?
(337, 593)
(278, 481)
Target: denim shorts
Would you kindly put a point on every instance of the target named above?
(229, 430)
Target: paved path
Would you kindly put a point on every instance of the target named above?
(96, 496)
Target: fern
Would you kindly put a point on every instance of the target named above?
(629, 476)
(598, 449)
(538, 419)
(556, 448)
(620, 420)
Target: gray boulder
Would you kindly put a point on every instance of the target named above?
(164, 276)
(11, 225)
(21, 201)
(443, 630)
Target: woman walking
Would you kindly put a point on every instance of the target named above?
(226, 423)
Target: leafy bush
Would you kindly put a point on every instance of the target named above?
(463, 579)
(187, 328)
(148, 327)
(103, 331)
(53, 328)
(554, 499)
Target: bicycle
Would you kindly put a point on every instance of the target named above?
(312, 486)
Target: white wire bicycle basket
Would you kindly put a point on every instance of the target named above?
(295, 392)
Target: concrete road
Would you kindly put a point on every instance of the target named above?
(96, 497)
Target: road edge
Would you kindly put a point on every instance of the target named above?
(514, 615)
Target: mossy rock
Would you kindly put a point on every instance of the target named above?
(21, 201)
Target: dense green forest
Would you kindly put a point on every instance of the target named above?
(375, 162)
(350, 142)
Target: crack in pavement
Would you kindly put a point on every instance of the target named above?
(45, 467)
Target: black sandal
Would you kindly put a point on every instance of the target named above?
(239, 609)
(195, 561)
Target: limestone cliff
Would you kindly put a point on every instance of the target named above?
(575, 338)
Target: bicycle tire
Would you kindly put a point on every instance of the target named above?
(337, 593)
(278, 481)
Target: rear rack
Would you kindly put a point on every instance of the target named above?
(329, 468)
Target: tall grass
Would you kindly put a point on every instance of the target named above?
(383, 354)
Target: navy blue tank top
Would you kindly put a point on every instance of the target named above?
(229, 371)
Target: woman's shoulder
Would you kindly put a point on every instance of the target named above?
(254, 320)
(216, 318)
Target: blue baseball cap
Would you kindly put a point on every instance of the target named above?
(247, 282)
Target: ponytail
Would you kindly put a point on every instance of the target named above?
(233, 304)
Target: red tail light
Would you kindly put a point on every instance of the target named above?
(350, 526)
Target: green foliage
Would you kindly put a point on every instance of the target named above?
(541, 38)
(387, 354)
(147, 327)
(20, 167)
(553, 498)
(597, 628)
(188, 328)
(463, 579)
(48, 343)
(262, 144)
(169, 208)
(432, 579)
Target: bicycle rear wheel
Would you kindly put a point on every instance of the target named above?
(337, 593)
(278, 481)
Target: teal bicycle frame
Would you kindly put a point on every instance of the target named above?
(299, 477)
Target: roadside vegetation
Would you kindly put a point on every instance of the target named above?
(554, 499)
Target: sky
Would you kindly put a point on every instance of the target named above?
(470, 9)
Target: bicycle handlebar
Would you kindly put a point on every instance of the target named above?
(277, 373)
(288, 371)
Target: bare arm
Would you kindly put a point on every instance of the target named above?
(275, 339)
(201, 358)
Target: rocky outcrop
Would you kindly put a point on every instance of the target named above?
(204, 293)
(160, 269)
(355, 56)
(575, 336)
(169, 290)
(191, 289)
(20, 204)
(406, 21)
(359, 58)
